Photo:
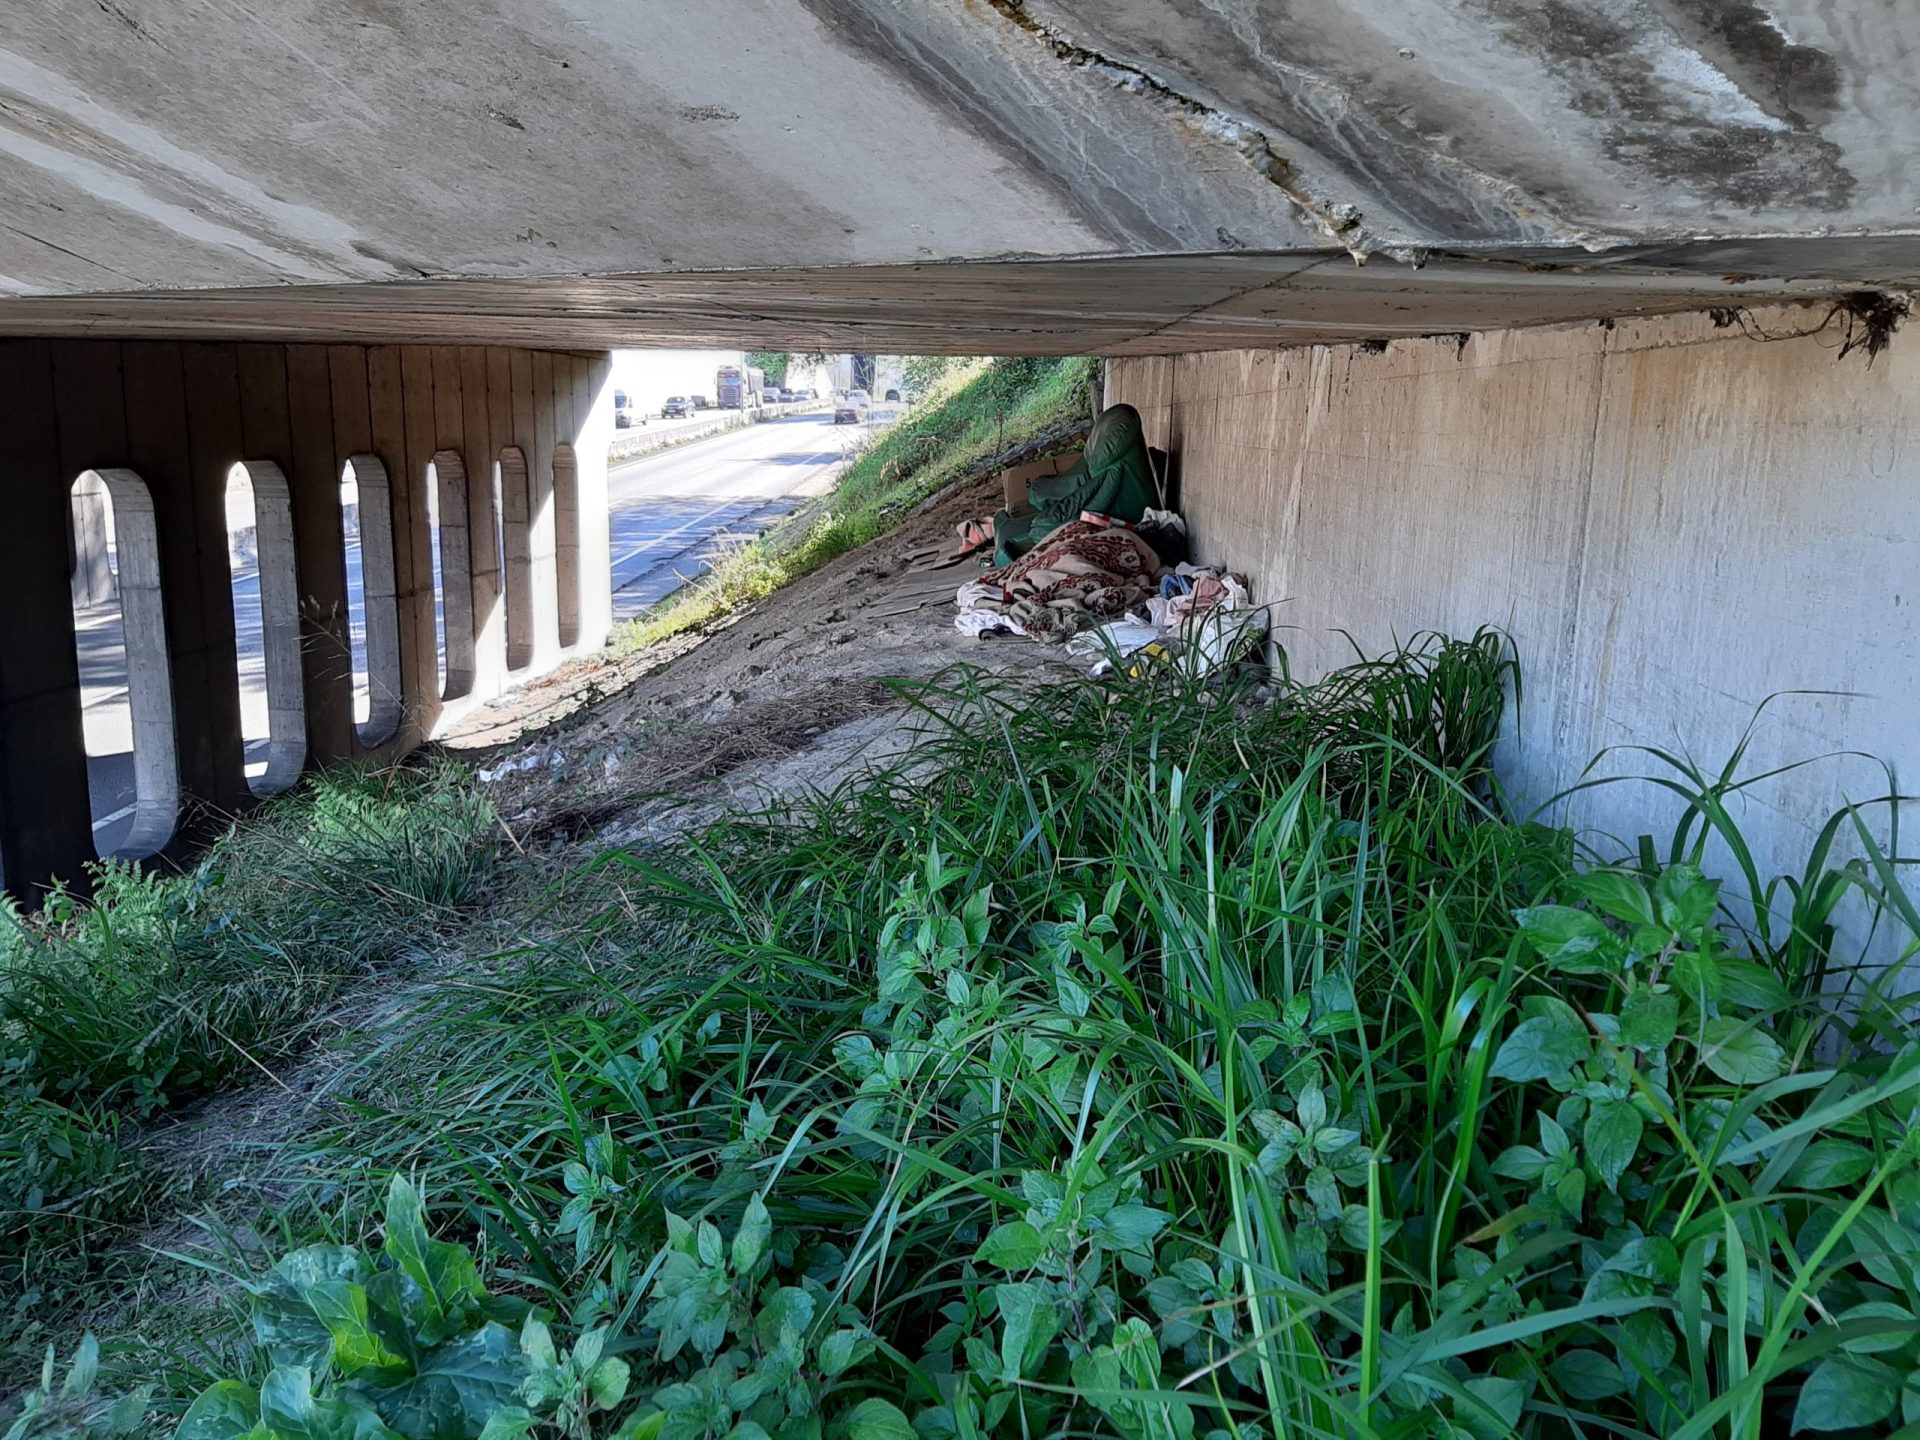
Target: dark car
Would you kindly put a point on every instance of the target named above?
(894, 395)
(676, 405)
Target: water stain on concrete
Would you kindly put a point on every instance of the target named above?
(1703, 104)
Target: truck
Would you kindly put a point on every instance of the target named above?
(739, 387)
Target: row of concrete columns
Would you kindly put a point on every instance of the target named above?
(158, 427)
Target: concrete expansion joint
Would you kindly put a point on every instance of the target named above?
(1340, 221)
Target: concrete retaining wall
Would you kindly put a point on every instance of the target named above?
(1674, 520)
(164, 424)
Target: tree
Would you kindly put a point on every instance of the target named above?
(923, 372)
(772, 364)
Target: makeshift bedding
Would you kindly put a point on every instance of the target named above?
(1086, 572)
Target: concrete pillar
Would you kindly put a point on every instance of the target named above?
(45, 825)
(593, 434)
(542, 526)
(92, 541)
(326, 652)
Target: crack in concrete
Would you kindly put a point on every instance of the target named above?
(1340, 221)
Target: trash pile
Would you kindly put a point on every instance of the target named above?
(1083, 557)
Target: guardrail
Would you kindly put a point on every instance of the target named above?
(629, 444)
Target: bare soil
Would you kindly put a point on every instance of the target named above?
(784, 694)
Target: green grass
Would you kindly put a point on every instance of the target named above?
(974, 412)
(1140, 1063)
(161, 989)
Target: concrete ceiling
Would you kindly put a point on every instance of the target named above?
(614, 172)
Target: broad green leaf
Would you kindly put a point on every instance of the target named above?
(1015, 1245)
(838, 1351)
(642, 1425)
(1521, 1162)
(607, 1383)
(445, 1272)
(1312, 1108)
(1683, 898)
(1649, 1019)
(1651, 1257)
(84, 1367)
(457, 1386)
(1547, 1047)
(283, 1319)
(513, 1423)
(1846, 1392)
(1751, 986)
(586, 1349)
(1697, 976)
(1491, 1407)
(877, 1419)
(1571, 1191)
(1030, 1322)
(1739, 1052)
(227, 1410)
(1828, 1165)
(536, 1342)
(1553, 1137)
(1616, 893)
(1612, 1136)
(710, 1250)
(1570, 940)
(1900, 1327)
(751, 1239)
(1588, 1375)
(289, 1410)
(784, 1318)
(341, 1306)
(1133, 1226)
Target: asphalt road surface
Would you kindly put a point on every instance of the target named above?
(671, 513)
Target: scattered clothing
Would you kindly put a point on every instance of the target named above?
(1167, 533)
(981, 623)
(1116, 636)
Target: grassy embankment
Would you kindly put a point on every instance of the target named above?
(1135, 1064)
(166, 990)
(973, 413)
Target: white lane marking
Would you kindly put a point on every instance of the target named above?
(105, 820)
(667, 535)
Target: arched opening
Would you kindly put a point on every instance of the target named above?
(566, 543)
(126, 686)
(266, 624)
(373, 612)
(452, 573)
(516, 552)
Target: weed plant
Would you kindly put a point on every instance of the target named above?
(1148, 1063)
(161, 988)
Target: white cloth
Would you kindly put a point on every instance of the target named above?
(981, 622)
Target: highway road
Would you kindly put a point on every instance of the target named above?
(674, 511)
(670, 512)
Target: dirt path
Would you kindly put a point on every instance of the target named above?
(784, 693)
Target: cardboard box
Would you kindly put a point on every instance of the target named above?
(1015, 478)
